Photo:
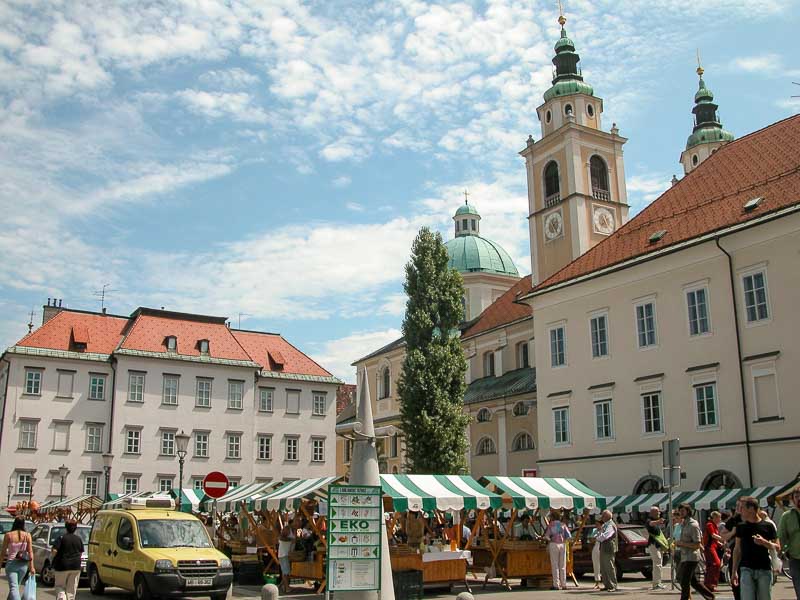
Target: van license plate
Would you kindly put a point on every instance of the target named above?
(199, 582)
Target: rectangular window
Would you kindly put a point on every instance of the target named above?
(168, 443)
(599, 331)
(91, 485)
(561, 425)
(603, 428)
(558, 347)
(133, 439)
(348, 450)
(131, 485)
(765, 388)
(164, 484)
(61, 436)
(394, 443)
(97, 386)
(235, 394)
(264, 447)
(293, 402)
(646, 324)
(318, 407)
(170, 393)
(201, 444)
(203, 396)
(33, 382)
(265, 399)
(651, 413)
(706, 402)
(27, 434)
(234, 446)
(292, 445)
(94, 438)
(66, 384)
(755, 296)
(318, 450)
(135, 387)
(524, 361)
(24, 484)
(197, 484)
(697, 304)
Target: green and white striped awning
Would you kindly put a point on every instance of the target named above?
(291, 493)
(700, 500)
(437, 492)
(190, 499)
(547, 492)
(84, 502)
(243, 493)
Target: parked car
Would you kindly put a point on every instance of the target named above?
(44, 536)
(632, 555)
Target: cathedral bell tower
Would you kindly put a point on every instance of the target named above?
(576, 174)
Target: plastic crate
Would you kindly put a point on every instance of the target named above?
(407, 585)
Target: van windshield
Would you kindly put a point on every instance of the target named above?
(169, 533)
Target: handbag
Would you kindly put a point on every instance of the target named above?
(29, 591)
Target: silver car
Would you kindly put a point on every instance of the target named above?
(44, 536)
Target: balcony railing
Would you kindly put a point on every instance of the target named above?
(552, 199)
(599, 194)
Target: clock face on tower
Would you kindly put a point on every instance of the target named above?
(553, 225)
(603, 220)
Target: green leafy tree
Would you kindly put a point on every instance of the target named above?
(431, 385)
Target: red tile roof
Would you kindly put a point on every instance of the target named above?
(262, 346)
(503, 310)
(765, 163)
(57, 333)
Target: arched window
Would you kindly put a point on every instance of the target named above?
(385, 382)
(523, 441)
(648, 485)
(721, 480)
(486, 446)
(552, 184)
(488, 364)
(520, 409)
(568, 109)
(599, 172)
(484, 415)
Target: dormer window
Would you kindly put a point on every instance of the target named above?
(171, 343)
(203, 346)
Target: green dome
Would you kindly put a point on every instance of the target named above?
(703, 93)
(472, 253)
(564, 42)
(708, 134)
(466, 209)
(565, 88)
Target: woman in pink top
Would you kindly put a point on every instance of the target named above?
(557, 535)
(18, 554)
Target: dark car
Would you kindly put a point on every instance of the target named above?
(632, 555)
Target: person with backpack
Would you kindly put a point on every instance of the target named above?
(656, 544)
(712, 542)
(789, 535)
(17, 551)
(67, 551)
(557, 535)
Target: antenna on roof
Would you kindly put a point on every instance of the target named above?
(794, 82)
(30, 323)
(106, 291)
(241, 314)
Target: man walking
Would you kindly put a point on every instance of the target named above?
(607, 538)
(67, 551)
(729, 537)
(656, 544)
(789, 535)
(754, 538)
(690, 545)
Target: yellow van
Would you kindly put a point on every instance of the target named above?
(150, 549)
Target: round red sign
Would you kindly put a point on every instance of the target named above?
(215, 484)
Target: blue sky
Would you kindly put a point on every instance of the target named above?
(277, 158)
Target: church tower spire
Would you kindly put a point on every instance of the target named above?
(707, 135)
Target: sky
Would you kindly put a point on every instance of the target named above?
(272, 161)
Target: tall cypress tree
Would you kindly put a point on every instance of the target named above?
(431, 385)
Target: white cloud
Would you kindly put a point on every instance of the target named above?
(791, 104)
(337, 355)
(643, 189)
(341, 181)
(762, 63)
(239, 106)
(229, 78)
(354, 206)
(394, 305)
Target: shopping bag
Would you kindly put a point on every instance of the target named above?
(29, 591)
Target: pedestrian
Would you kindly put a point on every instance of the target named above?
(677, 526)
(557, 535)
(67, 551)
(596, 559)
(656, 544)
(607, 538)
(752, 566)
(17, 552)
(775, 560)
(789, 533)
(729, 537)
(690, 546)
(712, 543)
(285, 546)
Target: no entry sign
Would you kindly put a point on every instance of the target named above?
(215, 484)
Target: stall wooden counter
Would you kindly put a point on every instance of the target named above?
(443, 567)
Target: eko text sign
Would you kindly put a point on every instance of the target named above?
(354, 537)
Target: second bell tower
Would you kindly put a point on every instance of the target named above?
(576, 173)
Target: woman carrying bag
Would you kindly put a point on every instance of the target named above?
(17, 551)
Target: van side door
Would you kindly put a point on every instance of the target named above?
(123, 553)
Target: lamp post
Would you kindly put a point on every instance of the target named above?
(107, 458)
(181, 443)
(8, 496)
(30, 493)
(63, 471)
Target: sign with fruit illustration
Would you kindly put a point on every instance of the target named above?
(354, 537)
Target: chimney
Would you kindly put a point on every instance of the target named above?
(52, 308)
(104, 310)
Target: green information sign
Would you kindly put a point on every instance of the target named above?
(354, 537)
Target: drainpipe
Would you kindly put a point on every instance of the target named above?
(741, 364)
(113, 361)
(5, 400)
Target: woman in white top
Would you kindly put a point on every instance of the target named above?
(285, 546)
(557, 535)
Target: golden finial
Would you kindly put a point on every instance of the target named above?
(700, 70)
(561, 18)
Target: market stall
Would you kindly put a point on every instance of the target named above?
(190, 500)
(81, 508)
(433, 543)
(528, 559)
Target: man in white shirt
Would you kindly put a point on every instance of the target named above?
(607, 538)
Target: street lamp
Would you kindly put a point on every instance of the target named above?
(8, 496)
(107, 458)
(181, 442)
(30, 493)
(63, 471)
